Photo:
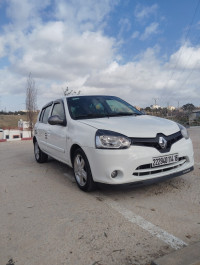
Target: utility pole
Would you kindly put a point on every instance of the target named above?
(155, 100)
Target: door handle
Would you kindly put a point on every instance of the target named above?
(46, 134)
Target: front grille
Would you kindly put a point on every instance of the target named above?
(147, 169)
(154, 142)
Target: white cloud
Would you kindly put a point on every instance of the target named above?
(72, 50)
(57, 49)
(83, 15)
(132, 79)
(135, 35)
(52, 52)
(11, 83)
(125, 26)
(2, 47)
(149, 31)
(187, 57)
(145, 78)
(143, 12)
(25, 13)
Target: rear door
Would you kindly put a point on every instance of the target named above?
(42, 127)
(56, 135)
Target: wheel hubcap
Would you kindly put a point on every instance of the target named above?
(37, 151)
(79, 170)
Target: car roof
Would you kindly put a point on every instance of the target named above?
(72, 96)
(90, 95)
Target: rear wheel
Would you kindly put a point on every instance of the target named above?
(82, 171)
(40, 156)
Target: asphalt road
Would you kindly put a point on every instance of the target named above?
(45, 219)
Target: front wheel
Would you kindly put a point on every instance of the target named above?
(82, 171)
(40, 156)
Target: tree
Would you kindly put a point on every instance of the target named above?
(31, 101)
(68, 92)
(188, 107)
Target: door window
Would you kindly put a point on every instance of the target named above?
(58, 109)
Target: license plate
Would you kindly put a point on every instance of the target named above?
(164, 160)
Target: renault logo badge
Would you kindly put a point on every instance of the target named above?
(162, 142)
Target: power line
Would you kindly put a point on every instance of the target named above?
(181, 51)
(190, 73)
(185, 65)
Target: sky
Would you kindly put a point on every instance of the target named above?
(143, 51)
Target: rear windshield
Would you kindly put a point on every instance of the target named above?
(89, 107)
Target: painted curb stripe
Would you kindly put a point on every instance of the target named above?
(17, 139)
(154, 230)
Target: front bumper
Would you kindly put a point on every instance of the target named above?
(127, 161)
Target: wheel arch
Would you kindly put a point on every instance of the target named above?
(73, 149)
(34, 139)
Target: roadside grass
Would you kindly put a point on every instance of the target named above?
(11, 121)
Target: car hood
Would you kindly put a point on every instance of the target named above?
(135, 126)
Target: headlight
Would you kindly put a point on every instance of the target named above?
(183, 131)
(111, 140)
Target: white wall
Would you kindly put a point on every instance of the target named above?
(26, 134)
(16, 133)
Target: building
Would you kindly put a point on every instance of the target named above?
(195, 115)
(155, 106)
(138, 108)
(171, 108)
(22, 132)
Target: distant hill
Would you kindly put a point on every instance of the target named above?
(11, 121)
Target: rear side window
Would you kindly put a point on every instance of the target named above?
(58, 109)
(45, 114)
(41, 115)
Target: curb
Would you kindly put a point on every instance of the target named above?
(17, 139)
(189, 255)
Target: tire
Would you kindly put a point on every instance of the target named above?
(82, 171)
(40, 156)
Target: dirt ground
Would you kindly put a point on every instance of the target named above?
(45, 219)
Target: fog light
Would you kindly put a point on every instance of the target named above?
(114, 174)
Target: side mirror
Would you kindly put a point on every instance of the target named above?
(56, 120)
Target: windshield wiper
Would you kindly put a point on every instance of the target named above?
(95, 115)
(124, 114)
(91, 116)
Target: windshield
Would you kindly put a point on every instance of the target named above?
(89, 107)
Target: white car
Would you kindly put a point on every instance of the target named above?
(107, 140)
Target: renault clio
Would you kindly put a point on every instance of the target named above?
(107, 140)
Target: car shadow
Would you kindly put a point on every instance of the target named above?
(151, 187)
